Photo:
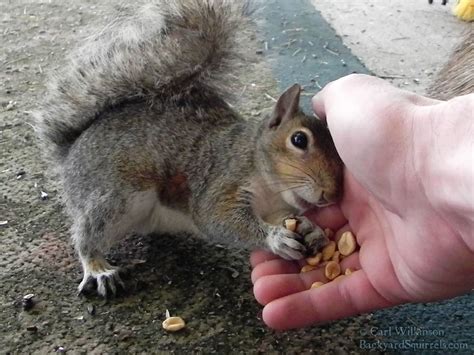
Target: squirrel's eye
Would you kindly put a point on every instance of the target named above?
(299, 140)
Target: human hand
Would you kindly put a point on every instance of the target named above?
(408, 198)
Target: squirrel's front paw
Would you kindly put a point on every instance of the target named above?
(100, 277)
(313, 236)
(285, 243)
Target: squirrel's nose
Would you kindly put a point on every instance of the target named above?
(327, 198)
(322, 200)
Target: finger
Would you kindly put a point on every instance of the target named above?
(269, 288)
(342, 88)
(327, 217)
(270, 285)
(348, 297)
(356, 88)
(317, 103)
(274, 267)
(260, 256)
(422, 100)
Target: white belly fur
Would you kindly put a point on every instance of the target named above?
(145, 214)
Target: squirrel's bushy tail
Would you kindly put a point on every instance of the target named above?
(456, 77)
(158, 51)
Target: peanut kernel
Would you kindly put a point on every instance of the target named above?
(332, 270)
(307, 268)
(347, 243)
(317, 284)
(290, 224)
(329, 250)
(173, 324)
(314, 260)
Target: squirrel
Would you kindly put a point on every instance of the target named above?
(139, 133)
(455, 78)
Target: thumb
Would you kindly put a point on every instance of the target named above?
(317, 103)
(370, 122)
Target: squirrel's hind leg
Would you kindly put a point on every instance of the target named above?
(100, 224)
(98, 275)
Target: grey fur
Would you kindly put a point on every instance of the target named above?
(143, 141)
(126, 61)
(457, 75)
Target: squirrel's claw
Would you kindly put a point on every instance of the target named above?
(314, 237)
(105, 281)
(304, 225)
(315, 241)
(285, 243)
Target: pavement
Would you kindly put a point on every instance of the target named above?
(405, 42)
(310, 42)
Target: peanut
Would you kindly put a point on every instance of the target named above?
(290, 224)
(332, 270)
(322, 264)
(317, 284)
(330, 257)
(329, 250)
(328, 232)
(173, 324)
(307, 268)
(347, 243)
(314, 260)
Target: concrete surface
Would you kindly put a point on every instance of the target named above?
(302, 47)
(405, 42)
(206, 284)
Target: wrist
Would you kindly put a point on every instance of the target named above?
(443, 158)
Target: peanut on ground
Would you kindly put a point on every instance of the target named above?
(173, 324)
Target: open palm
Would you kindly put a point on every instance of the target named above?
(410, 250)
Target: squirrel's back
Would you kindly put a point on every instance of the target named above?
(162, 51)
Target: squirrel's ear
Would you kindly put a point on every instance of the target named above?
(286, 106)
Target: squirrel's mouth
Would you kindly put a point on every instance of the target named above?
(302, 203)
(306, 205)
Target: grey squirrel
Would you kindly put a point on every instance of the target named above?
(455, 77)
(141, 137)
